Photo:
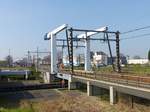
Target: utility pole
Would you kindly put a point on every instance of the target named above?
(37, 59)
(62, 54)
(9, 52)
(70, 48)
(28, 58)
(118, 52)
(37, 52)
(110, 52)
(9, 59)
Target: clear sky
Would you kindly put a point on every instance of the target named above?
(24, 22)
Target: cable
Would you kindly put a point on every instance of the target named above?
(138, 36)
(137, 29)
(133, 30)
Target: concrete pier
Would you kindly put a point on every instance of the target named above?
(95, 87)
(94, 90)
(89, 89)
(48, 77)
(113, 95)
(26, 75)
(71, 85)
(87, 66)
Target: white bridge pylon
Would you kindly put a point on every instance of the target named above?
(86, 36)
(53, 35)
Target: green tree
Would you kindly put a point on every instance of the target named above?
(149, 55)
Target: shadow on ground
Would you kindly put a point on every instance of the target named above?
(11, 100)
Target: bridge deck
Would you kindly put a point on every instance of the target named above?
(136, 81)
(125, 84)
(132, 80)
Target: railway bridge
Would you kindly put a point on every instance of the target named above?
(127, 84)
(132, 85)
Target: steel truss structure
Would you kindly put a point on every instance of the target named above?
(70, 39)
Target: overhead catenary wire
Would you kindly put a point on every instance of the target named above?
(136, 29)
(126, 32)
(137, 36)
(133, 30)
(129, 31)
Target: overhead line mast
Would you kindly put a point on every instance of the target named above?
(86, 37)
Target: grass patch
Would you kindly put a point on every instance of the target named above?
(140, 70)
(17, 110)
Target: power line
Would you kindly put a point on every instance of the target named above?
(138, 36)
(133, 30)
(136, 29)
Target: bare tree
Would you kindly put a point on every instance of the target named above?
(137, 57)
(9, 60)
(46, 59)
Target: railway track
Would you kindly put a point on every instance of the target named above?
(31, 87)
(137, 81)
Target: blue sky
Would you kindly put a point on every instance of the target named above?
(24, 22)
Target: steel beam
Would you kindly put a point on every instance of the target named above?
(56, 31)
(84, 30)
(86, 36)
(102, 29)
(73, 46)
(79, 39)
(118, 52)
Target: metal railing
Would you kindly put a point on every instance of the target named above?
(136, 81)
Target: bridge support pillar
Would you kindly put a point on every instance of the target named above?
(87, 66)
(53, 54)
(26, 75)
(71, 85)
(47, 77)
(89, 89)
(113, 95)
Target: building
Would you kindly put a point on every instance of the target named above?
(137, 61)
(123, 60)
(77, 60)
(66, 61)
(100, 59)
(46, 59)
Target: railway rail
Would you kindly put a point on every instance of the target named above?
(137, 81)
